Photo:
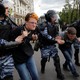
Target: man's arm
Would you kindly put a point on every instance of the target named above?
(8, 45)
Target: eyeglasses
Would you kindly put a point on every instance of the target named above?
(33, 23)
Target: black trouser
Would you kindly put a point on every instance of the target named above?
(76, 55)
(56, 63)
(43, 64)
(10, 77)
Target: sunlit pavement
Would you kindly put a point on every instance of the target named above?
(50, 73)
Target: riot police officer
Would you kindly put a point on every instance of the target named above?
(48, 38)
(6, 60)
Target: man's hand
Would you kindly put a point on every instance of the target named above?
(19, 39)
(59, 41)
(78, 39)
(34, 37)
(25, 33)
(58, 37)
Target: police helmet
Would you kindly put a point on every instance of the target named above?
(2, 10)
(49, 14)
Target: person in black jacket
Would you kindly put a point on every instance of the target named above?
(23, 54)
(48, 37)
(76, 25)
(69, 36)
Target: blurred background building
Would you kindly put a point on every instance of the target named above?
(19, 9)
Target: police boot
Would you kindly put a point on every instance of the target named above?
(43, 64)
(76, 56)
(58, 68)
(8, 78)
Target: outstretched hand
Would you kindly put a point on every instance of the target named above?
(59, 41)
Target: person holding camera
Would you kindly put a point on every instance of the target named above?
(48, 38)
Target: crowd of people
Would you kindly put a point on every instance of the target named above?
(17, 51)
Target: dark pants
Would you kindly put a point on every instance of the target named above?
(76, 56)
(56, 64)
(10, 77)
(68, 56)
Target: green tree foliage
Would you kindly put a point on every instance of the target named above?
(71, 11)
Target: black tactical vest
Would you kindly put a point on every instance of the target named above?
(5, 30)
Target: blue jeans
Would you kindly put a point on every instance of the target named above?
(28, 70)
(68, 56)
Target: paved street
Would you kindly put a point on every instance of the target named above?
(50, 73)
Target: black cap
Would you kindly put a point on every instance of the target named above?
(2, 10)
